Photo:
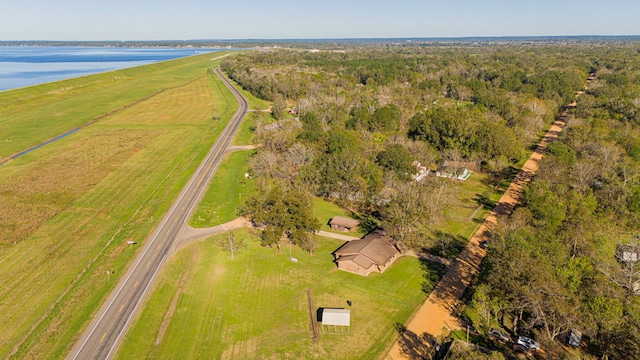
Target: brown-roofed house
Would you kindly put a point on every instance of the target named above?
(343, 224)
(372, 253)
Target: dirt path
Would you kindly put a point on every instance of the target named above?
(337, 236)
(435, 315)
(188, 234)
(233, 148)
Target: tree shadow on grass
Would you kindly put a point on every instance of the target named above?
(446, 245)
(501, 178)
(484, 200)
(432, 273)
(414, 346)
(368, 222)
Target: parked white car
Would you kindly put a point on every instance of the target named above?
(530, 344)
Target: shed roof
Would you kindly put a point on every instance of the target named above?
(344, 222)
(339, 317)
(374, 247)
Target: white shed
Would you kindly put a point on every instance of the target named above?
(336, 321)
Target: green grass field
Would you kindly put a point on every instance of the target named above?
(475, 197)
(75, 202)
(255, 306)
(246, 132)
(227, 191)
(465, 215)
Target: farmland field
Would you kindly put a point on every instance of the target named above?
(70, 207)
(209, 306)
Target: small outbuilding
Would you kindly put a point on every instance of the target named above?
(343, 224)
(628, 253)
(422, 171)
(336, 321)
(374, 252)
(458, 170)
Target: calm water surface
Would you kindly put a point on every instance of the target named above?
(22, 66)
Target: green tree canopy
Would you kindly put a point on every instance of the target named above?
(385, 119)
(282, 213)
(396, 158)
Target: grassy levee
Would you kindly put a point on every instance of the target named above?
(209, 306)
(31, 115)
(254, 102)
(70, 207)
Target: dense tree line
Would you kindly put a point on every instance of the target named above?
(365, 118)
(553, 265)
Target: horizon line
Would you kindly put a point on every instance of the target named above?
(472, 37)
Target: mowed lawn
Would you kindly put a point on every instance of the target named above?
(227, 191)
(70, 207)
(466, 213)
(255, 306)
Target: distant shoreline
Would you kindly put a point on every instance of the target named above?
(225, 43)
(25, 66)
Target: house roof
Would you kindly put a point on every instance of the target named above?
(373, 247)
(457, 165)
(344, 222)
(339, 317)
(358, 259)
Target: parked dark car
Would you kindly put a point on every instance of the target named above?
(499, 335)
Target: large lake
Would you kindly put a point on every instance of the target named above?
(22, 66)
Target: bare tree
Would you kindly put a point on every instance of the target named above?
(232, 243)
(298, 155)
(584, 173)
(264, 163)
(413, 209)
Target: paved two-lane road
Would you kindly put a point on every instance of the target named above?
(101, 339)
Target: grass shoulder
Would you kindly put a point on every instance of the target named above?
(227, 191)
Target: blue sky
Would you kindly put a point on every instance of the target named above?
(241, 19)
